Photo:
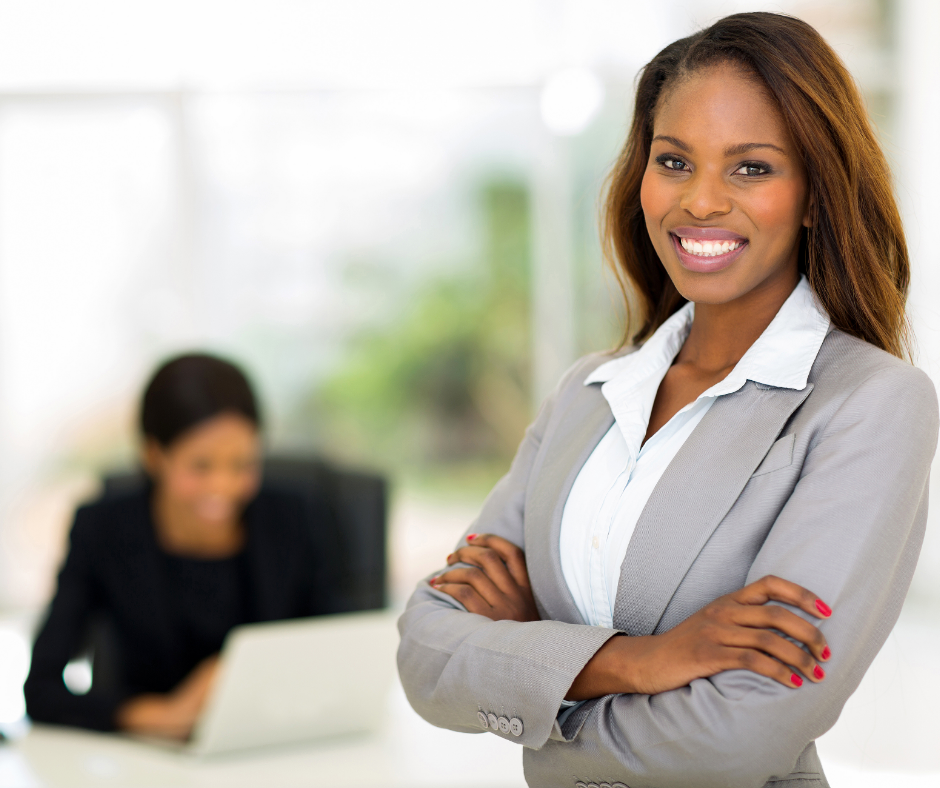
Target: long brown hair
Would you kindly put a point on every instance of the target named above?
(854, 254)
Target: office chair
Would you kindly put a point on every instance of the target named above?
(346, 512)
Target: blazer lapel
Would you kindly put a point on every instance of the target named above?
(696, 491)
(579, 429)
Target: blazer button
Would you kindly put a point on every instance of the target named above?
(515, 726)
(491, 719)
(580, 785)
(503, 725)
(484, 723)
(618, 785)
(606, 785)
(593, 785)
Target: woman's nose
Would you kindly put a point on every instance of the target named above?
(704, 196)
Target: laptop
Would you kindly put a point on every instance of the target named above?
(289, 682)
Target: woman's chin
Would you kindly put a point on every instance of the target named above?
(215, 516)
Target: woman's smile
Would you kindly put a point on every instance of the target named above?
(707, 249)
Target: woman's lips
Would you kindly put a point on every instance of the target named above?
(700, 263)
(708, 234)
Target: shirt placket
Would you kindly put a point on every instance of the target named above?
(601, 529)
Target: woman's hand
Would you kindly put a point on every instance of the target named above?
(737, 631)
(495, 585)
(173, 715)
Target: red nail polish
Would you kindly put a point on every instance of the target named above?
(449, 557)
(823, 608)
(826, 653)
(434, 581)
(471, 537)
(797, 681)
(819, 673)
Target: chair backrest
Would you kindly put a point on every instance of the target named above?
(347, 516)
(356, 530)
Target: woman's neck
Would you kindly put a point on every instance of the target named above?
(181, 532)
(722, 333)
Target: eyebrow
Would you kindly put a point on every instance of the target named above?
(733, 150)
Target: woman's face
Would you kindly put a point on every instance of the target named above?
(725, 194)
(211, 471)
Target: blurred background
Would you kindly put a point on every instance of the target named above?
(387, 211)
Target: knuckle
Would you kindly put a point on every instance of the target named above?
(488, 556)
(748, 660)
(461, 592)
(771, 582)
(714, 612)
(766, 640)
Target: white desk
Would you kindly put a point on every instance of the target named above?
(407, 753)
(887, 735)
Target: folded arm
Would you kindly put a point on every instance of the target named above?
(851, 530)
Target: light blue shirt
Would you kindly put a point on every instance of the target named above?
(613, 486)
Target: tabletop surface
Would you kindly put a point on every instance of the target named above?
(886, 736)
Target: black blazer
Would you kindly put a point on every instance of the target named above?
(115, 569)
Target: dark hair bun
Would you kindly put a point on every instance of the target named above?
(191, 389)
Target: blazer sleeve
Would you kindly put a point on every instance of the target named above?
(851, 532)
(60, 637)
(454, 664)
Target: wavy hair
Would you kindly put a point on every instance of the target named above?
(854, 254)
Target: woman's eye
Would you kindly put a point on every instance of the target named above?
(674, 164)
(752, 169)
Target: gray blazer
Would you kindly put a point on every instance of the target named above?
(826, 487)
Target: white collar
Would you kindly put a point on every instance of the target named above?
(781, 357)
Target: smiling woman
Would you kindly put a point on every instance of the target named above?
(732, 505)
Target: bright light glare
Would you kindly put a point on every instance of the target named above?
(77, 676)
(14, 665)
(570, 101)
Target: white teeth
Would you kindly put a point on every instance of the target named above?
(708, 248)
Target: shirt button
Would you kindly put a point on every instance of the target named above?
(491, 719)
(515, 726)
(482, 718)
(503, 725)
(595, 542)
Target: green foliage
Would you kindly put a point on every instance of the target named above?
(449, 381)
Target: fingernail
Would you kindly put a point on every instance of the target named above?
(819, 673)
(471, 537)
(823, 608)
(797, 681)
(826, 653)
(434, 581)
(449, 557)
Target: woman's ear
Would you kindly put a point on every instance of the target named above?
(808, 215)
(153, 457)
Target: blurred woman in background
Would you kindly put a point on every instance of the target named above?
(176, 564)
